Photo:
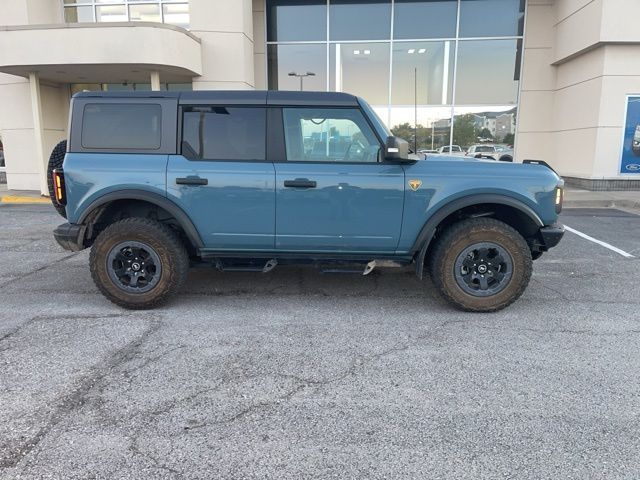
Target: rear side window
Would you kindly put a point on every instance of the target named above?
(122, 126)
(224, 133)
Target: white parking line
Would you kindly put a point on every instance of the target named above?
(599, 242)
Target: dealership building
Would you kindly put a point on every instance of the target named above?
(554, 78)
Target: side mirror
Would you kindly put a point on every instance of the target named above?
(396, 150)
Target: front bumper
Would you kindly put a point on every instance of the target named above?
(70, 236)
(551, 236)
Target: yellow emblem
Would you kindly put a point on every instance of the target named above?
(415, 184)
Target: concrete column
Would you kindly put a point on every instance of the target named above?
(225, 28)
(38, 131)
(155, 81)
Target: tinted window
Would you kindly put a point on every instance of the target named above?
(361, 69)
(118, 126)
(224, 133)
(491, 18)
(477, 59)
(328, 135)
(296, 20)
(308, 60)
(425, 18)
(359, 20)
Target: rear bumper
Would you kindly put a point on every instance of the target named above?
(551, 235)
(70, 236)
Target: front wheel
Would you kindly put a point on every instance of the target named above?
(138, 263)
(481, 265)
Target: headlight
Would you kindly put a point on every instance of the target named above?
(559, 198)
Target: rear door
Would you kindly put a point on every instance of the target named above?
(333, 191)
(221, 178)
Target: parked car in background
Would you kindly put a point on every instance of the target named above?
(635, 144)
(454, 150)
(490, 152)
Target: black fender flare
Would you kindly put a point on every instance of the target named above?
(427, 232)
(163, 202)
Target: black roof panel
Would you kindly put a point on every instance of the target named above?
(246, 97)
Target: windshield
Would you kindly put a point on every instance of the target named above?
(484, 148)
(380, 127)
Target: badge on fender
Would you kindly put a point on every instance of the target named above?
(415, 184)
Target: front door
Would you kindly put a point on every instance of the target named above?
(333, 191)
(221, 178)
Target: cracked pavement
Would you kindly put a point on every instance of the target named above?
(295, 374)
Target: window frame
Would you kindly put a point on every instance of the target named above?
(168, 125)
(283, 158)
(180, 131)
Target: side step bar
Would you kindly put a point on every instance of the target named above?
(267, 267)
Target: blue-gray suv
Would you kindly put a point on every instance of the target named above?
(247, 180)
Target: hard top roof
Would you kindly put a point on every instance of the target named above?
(242, 97)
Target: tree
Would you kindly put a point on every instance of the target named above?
(407, 132)
(509, 138)
(485, 133)
(464, 130)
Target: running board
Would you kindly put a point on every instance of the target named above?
(267, 267)
(369, 267)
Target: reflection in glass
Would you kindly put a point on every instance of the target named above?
(494, 60)
(328, 135)
(433, 126)
(361, 69)
(424, 18)
(78, 14)
(495, 125)
(145, 13)
(360, 20)
(111, 13)
(299, 59)
(491, 18)
(296, 20)
(422, 73)
(176, 14)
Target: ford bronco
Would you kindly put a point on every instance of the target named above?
(246, 180)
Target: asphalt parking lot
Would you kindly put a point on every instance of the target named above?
(296, 374)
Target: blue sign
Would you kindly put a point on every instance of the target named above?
(630, 162)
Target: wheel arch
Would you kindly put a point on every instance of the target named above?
(98, 207)
(509, 210)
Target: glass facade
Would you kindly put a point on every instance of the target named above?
(438, 72)
(163, 11)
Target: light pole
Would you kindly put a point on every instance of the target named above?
(301, 76)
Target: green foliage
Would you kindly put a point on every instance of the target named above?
(406, 131)
(485, 133)
(509, 138)
(464, 130)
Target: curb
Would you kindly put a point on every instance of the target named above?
(23, 200)
(629, 204)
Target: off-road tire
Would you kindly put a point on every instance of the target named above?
(460, 236)
(164, 241)
(55, 161)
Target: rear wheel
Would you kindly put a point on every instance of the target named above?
(55, 161)
(138, 263)
(481, 265)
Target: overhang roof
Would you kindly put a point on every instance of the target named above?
(100, 52)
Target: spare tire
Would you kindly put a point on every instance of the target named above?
(55, 161)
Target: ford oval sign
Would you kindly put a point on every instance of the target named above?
(633, 167)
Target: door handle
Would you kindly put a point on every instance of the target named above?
(191, 181)
(300, 183)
